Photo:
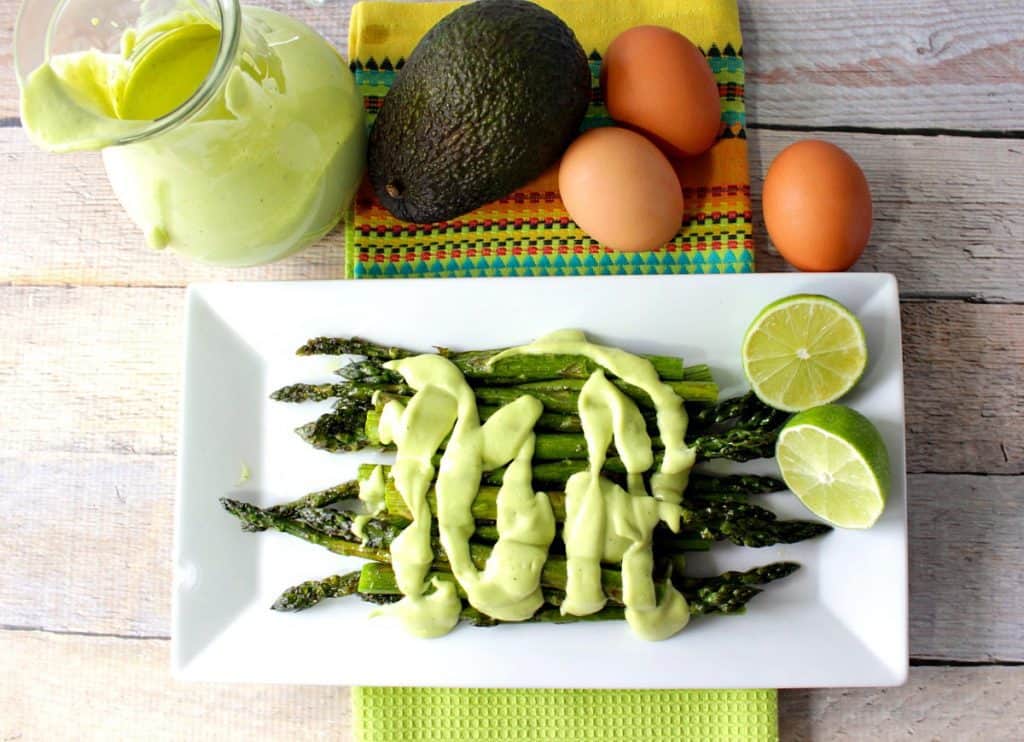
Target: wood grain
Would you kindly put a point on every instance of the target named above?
(953, 64)
(85, 541)
(964, 379)
(937, 703)
(966, 586)
(91, 369)
(949, 220)
(101, 688)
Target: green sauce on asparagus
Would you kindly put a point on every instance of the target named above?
(371, 494)
(603, 521)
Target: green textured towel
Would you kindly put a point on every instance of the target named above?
(471, 715)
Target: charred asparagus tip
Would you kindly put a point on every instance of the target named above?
(308, 594)
(252, 517)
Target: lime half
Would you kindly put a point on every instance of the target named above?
(835, 461)
(803, 351)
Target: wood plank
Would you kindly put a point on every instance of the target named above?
(100, 688)
(823, 64)
(85, 541)
(964, 378)
(934, 203)
(966, 585)
(62, 687)
(905, 64)
(89, 370)
(937, 703)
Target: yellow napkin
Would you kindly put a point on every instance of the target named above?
(529, 232)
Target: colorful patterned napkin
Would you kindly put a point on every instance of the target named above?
(529, 233)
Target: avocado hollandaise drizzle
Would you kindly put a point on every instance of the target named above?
(604, 522)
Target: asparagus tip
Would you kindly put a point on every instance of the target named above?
(283, 604)
(784, 569)
(253, 519)
(309, 348)
(306, 431)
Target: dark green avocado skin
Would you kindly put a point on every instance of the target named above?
(488, 100)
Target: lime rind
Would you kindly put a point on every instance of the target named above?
(835, 461)
(802, 351)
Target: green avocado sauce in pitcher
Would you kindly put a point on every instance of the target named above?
(232, 135)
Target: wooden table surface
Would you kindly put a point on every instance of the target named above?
(928, 95)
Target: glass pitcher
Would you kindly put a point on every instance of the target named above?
(234, 135)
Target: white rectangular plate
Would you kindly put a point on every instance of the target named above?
(840, 621)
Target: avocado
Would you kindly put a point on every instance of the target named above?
(489, 99)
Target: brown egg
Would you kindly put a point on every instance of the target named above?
(657, 82)
(817, 206)
(621, 190)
